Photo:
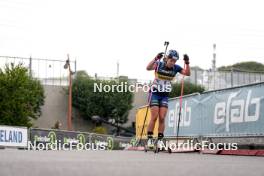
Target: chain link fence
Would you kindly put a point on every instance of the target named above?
(213, 80)
(210, 80)
(48, 71)
(52, 72)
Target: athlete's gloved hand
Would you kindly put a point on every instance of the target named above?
(159, 56)
(186, 59)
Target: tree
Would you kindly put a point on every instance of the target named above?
(196, 68)
(107, 105)
(21, 96)
(244, 66)
(189, 88)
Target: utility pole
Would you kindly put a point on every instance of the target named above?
(69, 116)
(30, 66)
(214, 63)
(214, 58)
(117, 70)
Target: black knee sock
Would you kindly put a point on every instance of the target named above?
(160, 136)
(150, 134)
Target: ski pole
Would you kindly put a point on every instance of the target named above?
(145, 118)
(179, 119)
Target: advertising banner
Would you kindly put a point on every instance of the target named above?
(112, 142)
(225, 113)
(68, 140)
(13, 136)
(58, 138)
(140, 117)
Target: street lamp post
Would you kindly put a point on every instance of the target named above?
(69, 116)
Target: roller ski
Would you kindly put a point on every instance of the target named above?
(156, 145)
(152, 145)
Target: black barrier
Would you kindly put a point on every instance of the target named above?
(112, 142)
(59, 139)
(48, 139)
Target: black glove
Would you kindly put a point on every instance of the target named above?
(186, 59)
(159, 56)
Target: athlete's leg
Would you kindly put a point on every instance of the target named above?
(154, 115)
(154, 110)
(162, 114)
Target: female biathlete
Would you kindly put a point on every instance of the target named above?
(165, 71)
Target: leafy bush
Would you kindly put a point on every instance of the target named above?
(189, 88)
(21, 96)
(114, 105)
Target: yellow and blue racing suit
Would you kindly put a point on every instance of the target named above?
(161, 86)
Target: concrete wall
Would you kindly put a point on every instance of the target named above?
(140, 99)
(56, 108)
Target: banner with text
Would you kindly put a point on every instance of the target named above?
(13, 136)
(229, 112)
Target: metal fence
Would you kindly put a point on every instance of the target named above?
(48, 71)
(213, 80)
(52, 72)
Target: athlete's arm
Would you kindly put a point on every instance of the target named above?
(153, 64)
(186, 71)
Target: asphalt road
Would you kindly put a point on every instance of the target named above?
(122, 163)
